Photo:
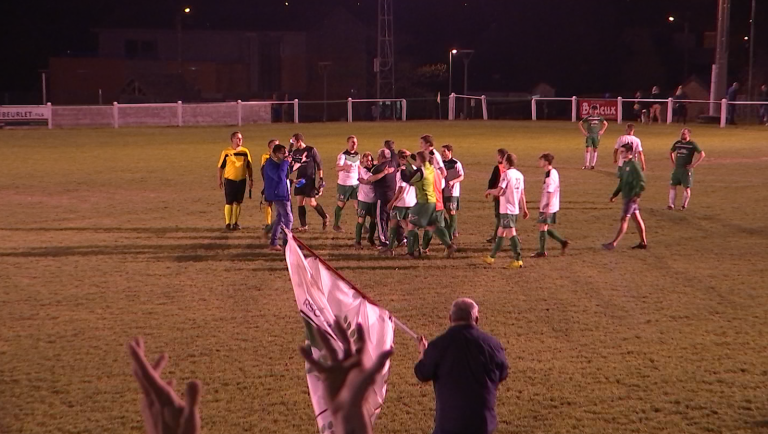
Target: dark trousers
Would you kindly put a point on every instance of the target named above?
(382, 222)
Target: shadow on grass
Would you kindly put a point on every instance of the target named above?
(136, 230)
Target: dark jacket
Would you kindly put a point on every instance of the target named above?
(631, 180)
(466, 366)
(275, 181)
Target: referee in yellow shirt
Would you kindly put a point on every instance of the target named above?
(267, 205)
(234, 165)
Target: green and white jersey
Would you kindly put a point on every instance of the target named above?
(408, 199)
(350, 174)
(593, 124)
(453, 169)
(512, 184)
(684, 152)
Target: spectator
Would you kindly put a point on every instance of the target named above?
(733, 93)
(466, 367)
(655, 105)
(680, 108)
(764, 107)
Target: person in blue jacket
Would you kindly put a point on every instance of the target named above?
(276, 191)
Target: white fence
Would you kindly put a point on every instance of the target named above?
(242, 112)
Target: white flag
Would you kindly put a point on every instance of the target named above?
(323, 297)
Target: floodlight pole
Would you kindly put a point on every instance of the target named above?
(450, 70)
(720, 68)
(751, 50)
(466, 68)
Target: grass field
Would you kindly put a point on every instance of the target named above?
(107, 234)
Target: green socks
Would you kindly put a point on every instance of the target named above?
(392, 237)
(497, 246)
(555, 236)
(517, 253)
(542, 241)
(358, 232)
(413, 241)
(427, 239)
(451, 224)
(337, 215)
(442, 235)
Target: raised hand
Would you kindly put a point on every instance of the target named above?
(346, 379)
(163, 411)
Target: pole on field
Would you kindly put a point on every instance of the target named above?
(45, 94)
(403, 109)
(50, 116)
(349, 109)
(574, 108)
(239, 113)
(751, 51)
(619, 110)
(533, 108)
(452, 107)
(723, 112)
(669, 111)
(179, 111)
(719, 83)
(114, 114)
(485, 108)
(296, 111)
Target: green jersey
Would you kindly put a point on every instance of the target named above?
(593, 124)
(684, 152)
(631, 180)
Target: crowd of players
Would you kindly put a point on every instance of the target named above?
(400, 193)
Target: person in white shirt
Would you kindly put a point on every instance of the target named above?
(637, 148)
(454, 175)
(405, 198)
(347, 166)
(549, 206)
(366, 202)
(511, 193)
(427, 144)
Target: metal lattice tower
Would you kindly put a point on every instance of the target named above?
(385, 55)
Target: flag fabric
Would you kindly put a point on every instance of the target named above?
(323, 297)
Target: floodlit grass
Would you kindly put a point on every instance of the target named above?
(107, 234)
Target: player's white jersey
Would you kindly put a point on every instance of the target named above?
(551, 187)
(408, 199)
(454, 170)
(349, 175)
(512, 184)
(365, 191)
(637, 146)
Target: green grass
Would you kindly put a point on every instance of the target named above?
(107, 234)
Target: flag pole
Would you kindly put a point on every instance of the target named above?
(352, 285)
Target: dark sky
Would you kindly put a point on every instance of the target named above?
(518, 42)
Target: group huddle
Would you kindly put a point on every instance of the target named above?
(399, 193)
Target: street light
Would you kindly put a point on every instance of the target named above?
(185, 11)
(450, 70)
(672, 19)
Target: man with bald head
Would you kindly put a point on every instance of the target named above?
(466, 366)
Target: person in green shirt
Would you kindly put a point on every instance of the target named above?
(631, 186)
(424, 214)
(681, 154)
(592, 126)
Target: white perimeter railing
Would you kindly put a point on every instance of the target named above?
(619, 106)
(246, 112)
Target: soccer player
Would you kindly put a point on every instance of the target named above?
(631, 186)
(493, 182)
(366, 202)
(549, 206)
(454, 176)
(235, 164)
(348, 167)
(427, 144)
(511, 193)
(401, 204)
(276, 191)
(268, 207)
(681, 155)
(424, 213)
(637, 148)
(592, 126)
(305, 186)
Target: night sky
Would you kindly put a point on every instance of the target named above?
(578, 46)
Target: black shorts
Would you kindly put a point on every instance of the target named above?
(234, 191)
(306, 190)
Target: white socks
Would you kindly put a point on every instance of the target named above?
(594, 157)
(686, 198)
(587, 152)
(672, 195)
